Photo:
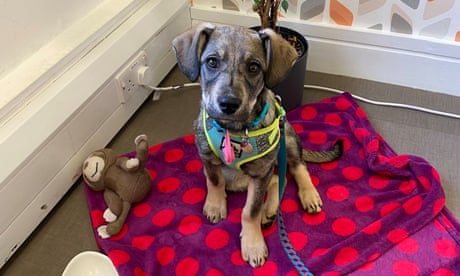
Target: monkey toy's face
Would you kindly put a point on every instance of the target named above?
(93, 168)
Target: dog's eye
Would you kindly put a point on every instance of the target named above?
(253, 67)
(212, 62)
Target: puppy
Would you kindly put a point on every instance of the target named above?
(237, 132)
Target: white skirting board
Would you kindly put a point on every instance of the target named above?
(44, 145)
(417, 62)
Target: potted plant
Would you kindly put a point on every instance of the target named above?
(291, 89)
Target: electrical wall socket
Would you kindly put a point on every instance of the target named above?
(128, 80)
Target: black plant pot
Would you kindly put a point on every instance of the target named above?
(291, 88)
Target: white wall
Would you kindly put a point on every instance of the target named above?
(79, 109)
(25, 26)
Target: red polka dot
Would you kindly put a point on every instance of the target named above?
(235, 215)
(333, 119)
(439, 205)
(346, 144)
(408, 245)
(342, 104)
(373, 228)
(360, 113)
(331, 273)
(292, 273)
(361, 133)
(298, 128)
(189, 139)
(413, 205)
(153, 174)
(236, 258)
(142, 242)
(314, 180)
(372, 146)
(142, 209)
(344, 227)
(329, 165)
(389, 208)
(163, 217)
(97, 217)
(165, 255)
(378, 181)
(308, 113)
(270, 268)
(193, 166)
(352, 173)
(214, 272)
(217, 238)
(405, 268)
(194, 195)
(314, 219)
(319, 252)
(139, 272)
(337, 193)
(173, 155)
(289, 205)
(408, 186)
(443, 272)
(346, 255)
(298, 240)
(168, 185)
(397, 235)
(188, 267)
(399, 161)
(118, 257)
(190, 224)
(446, 248)
(364, 203)
(317, 137)
(425, 182)
(155, 148)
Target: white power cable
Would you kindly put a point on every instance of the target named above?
(156, 96)
(407, 106)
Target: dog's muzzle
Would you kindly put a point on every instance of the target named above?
(228, 104)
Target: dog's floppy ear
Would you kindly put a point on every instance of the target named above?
(281, 56)
(188, 48)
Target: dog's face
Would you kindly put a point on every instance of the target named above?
(235, 65)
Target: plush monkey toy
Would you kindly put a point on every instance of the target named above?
(124, 181)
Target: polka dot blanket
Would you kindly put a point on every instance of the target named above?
(383, 213)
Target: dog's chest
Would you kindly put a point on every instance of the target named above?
(246, 146)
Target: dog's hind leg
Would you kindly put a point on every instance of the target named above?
(308, 195)
(215, 206)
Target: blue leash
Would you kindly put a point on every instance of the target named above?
(282, 166)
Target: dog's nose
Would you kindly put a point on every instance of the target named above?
(229, 104)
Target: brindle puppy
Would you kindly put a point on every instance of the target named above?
(237, 67)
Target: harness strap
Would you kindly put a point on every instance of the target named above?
(288, 248)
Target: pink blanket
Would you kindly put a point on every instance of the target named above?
(383, 213)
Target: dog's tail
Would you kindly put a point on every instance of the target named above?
(323, 156)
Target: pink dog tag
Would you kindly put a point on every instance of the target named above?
(229, 155)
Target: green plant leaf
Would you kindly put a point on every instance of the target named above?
(285, 5)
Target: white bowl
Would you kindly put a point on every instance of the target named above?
(90, 263)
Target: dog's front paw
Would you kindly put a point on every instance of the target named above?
(215, 211)
(311, 201)
(253, 249)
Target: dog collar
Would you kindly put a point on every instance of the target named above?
(243, 146)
